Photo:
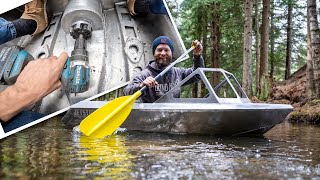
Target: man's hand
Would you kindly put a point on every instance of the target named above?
(42, 76)
(39, 78)
(198, 48)
(149, 81)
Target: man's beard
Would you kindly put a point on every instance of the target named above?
(163, 62)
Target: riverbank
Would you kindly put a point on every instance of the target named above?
(293, 91)
(307, 113)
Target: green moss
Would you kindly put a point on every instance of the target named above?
(307, 117)
(314, 102)
(265, 88)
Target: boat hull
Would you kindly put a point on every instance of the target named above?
(196, 118)
(207, 119)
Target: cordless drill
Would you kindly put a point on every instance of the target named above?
(76, 73)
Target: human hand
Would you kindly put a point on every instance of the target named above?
(198, 48)
(130, 4)
(40, 77)
(149, 81)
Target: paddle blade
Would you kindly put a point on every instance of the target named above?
(105, 120)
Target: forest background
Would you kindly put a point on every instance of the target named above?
(261, 42)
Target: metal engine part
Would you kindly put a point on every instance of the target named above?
(81, 28)
(79, 10)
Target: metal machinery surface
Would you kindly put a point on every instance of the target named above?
(116, 47)
(223, 110)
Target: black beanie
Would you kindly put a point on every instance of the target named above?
(162, 40)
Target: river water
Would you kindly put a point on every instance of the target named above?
(49, 150)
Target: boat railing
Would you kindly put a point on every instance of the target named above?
(220, 86)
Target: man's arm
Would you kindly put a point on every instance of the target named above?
(197, 59)
(142, 79)
(39, 78)
(135, 84)
(197, 62)
(132, 87)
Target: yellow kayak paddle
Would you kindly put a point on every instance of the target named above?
(105, 120)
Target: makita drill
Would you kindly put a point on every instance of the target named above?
(76, 73)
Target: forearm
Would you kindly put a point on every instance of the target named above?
(13, 101)
(135, 84)
(198, 61)
(131, 88)
(39, 78)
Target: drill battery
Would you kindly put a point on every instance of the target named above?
(12, 61)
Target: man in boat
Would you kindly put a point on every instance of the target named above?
(146, 6)
(33, 21)
(162, 49)
(39, 78)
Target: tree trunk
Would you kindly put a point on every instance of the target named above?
(315, 47)
(204, 52)
(309, 73)
(272, 39)
(257, 44)
(247, 52)
(199, 87)
(215, 35)
(204, 40)
(289, 41)
(264, 46)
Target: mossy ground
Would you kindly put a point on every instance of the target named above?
(293, 91)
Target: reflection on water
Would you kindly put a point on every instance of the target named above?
(51, 151)
(108, 157)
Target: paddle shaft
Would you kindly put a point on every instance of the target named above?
(180, 59)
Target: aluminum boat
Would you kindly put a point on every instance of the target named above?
(224, 109)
